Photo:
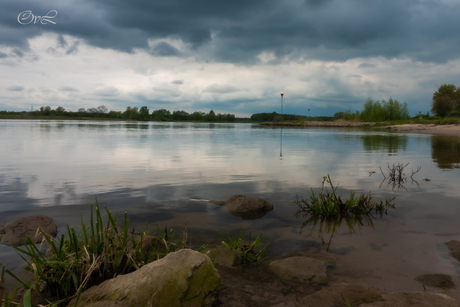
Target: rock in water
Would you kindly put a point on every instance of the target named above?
(436, 280)
(337, 295)
(183, 278)
(412, 299)
(16, 233)
(301, 268)
(454, 247)
(248, 208)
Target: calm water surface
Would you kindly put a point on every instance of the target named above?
(165, 173)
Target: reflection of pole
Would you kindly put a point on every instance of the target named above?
(281, 143)
(282, 103)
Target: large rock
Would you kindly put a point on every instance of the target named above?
(337, 295)
(454, 247)
(436, 280)
(415, 299)
(248, 208)
(300, 268)
(183, 278)
(16, 233)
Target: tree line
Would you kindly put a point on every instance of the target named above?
(135, 113)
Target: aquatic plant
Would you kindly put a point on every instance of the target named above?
(328, 211)
(99, 252)
(397, 177)
(328, 204)
(247, 253)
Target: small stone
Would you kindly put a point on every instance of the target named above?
(300, 268)
(419, 299)
(337, 295)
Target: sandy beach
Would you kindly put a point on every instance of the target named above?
(453, 130)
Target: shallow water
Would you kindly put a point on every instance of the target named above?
(165, 173)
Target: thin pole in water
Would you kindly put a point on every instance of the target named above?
(282, 103)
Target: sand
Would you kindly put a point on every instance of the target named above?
(453, 130)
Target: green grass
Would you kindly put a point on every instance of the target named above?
(329, 205)
(247, 252)
(78, 260)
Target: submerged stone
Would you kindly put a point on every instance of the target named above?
(436, 280)
(16, 233)
(300, 268)
(248, 208)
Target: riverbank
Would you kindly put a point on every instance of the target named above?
(334, 124)
(452, 129)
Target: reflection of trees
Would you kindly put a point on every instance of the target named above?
(387, 143)
(445, 151)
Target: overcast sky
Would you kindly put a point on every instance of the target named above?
(229, 56)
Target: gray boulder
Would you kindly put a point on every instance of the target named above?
(337, 295)
(415, 299)
(248, 208)
(454, 247)
(16, 233)
(300, 268)
(183, 278)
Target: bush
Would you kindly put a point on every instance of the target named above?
(384, 110)
(442, 105)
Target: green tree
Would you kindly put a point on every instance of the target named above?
(211, 116)
(134, 115)
(127, 113)
(339, 115)
(449, 90)
(442, 105)
(60, 110)
(102, 109)
(144, 113)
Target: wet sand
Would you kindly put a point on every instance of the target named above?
(453, 130)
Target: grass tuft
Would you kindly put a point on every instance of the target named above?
(247, 252)
(328, 204)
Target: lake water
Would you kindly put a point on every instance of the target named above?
(165, 173)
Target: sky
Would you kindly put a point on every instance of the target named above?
(228, 56)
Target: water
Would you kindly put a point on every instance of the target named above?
(165, 173)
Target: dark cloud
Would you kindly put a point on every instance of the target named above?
(366, 65)
(73, 48)
(67, 88)
(178, 82)
(237, 31)
(164, 49)
(16, 88)
(3, 55)
(18, 52)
